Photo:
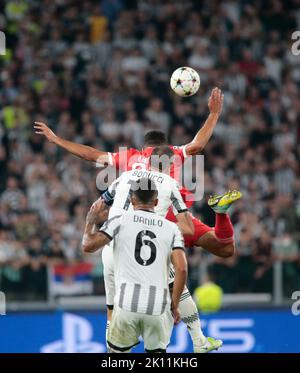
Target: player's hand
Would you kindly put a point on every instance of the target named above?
(98, 212)
(176, 315)
(42, 129)
(215, 101)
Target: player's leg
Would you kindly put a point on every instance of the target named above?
(123, 331)
(218, 240)
(190, 316)
(210, 243)
(156, 331)
(109, 282)
(205, 237)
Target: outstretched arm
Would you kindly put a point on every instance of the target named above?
(215, 103)
(83, 151)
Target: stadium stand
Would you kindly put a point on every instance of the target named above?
(98, 73)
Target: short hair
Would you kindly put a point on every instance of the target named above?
(144, 190)
(161, 157)
(155, 138)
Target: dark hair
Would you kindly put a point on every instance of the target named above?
(161, 157)
(144, 190)
(155, 138)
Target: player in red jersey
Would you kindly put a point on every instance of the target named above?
(218, 240)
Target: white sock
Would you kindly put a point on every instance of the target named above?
(190, 316)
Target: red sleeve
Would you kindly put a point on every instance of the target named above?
(121, 159)
(180, 151)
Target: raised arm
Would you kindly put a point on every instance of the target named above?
(215, 103)
(83, 151)
(93, 239)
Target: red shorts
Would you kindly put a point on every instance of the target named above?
(199, 227)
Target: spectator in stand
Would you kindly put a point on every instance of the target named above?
(98, 73)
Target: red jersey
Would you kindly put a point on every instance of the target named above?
(133, 158)
(129, 159)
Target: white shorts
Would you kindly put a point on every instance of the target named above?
(108, 274)
(126, 327)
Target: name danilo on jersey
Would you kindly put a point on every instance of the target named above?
(147, 221)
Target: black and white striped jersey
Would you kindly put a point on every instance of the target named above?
(142, 245)
(168, 192)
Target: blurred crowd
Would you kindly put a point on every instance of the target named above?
(98, 73)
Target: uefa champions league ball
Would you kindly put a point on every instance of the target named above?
(185, 81)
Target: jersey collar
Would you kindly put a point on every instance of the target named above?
(145, 210)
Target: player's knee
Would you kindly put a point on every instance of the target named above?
(227, 251)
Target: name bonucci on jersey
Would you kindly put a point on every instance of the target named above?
(168, 192)
(142, 245)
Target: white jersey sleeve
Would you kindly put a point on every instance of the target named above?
(111, 227)
(178, 242)
(176, 199)
(120, 191)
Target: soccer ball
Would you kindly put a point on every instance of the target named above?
(185, 81)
